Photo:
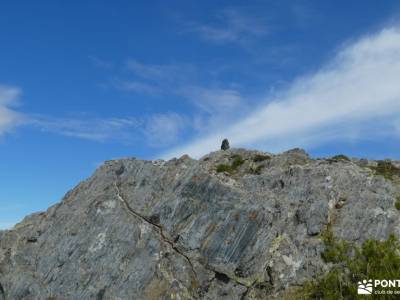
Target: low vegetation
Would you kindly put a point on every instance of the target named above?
(397, 203)
(257, 170)
(386, 169)
(237, 161)
(261, 157)
(351, 264)
(224, 168)
(340, 157)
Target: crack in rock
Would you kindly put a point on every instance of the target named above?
(156, 227)
(225, 278)
(2, 292)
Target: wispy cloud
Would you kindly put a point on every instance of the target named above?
(359, 86)
(153, 71)
(9, 118)
(232, 25)
(100, 63)
(81, 126)
(138, 87)
(164, 129)
(212, 100)
(211, 105)
(155, 130)
(180, 80)
(155, 79)
(95, 129)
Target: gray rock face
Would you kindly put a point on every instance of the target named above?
(179, 230)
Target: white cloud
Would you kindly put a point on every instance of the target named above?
(157, 130)
(358, 86)
(213, 100)
(95, 129)
(234, 26)
(156, 79)
(101, 63)
(215, 106)
(137, 87)
(163, 129)
(162, 73)
(9, 118)
(213, 103)
(152, 71)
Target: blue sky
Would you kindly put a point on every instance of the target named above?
(86, 81)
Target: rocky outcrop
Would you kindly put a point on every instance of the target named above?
(179, 229)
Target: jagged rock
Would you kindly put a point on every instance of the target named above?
(178, 229)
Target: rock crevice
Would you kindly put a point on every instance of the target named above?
(158, 228)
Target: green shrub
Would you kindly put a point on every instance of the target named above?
(397, 203)
(335, 250)
(386, 169)
(256, 170)
(351, 263)
(261, 157)
(224, 168)
(237, 161)
(340, 157)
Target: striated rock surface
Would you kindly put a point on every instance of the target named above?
(179, 229)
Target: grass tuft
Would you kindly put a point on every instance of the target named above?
(352, 263)
(224, 168)
(340, 157)
(397, 203)
(261, 157)
(237, 161)
(386, 169)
